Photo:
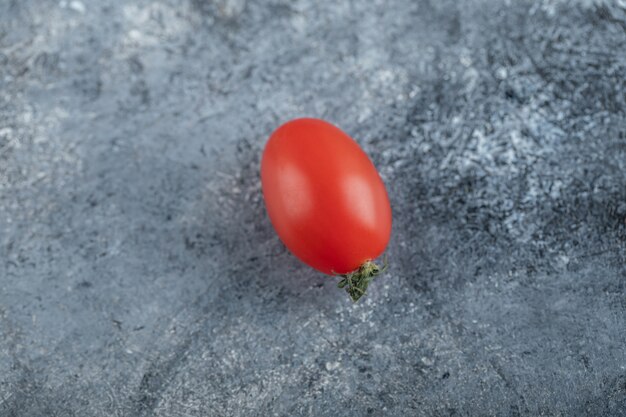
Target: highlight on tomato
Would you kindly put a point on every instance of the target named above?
(326, 201)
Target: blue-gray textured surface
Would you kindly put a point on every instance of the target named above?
(139, 274)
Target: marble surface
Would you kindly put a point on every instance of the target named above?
(139, 274)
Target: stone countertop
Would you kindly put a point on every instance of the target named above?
(139, 274)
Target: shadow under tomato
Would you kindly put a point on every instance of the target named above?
(244, 245)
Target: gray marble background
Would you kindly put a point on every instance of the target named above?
(140, 276)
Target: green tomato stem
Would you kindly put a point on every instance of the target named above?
(356, 282)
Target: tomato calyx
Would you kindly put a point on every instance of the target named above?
(356, 282)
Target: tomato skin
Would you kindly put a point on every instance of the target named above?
(324, 196)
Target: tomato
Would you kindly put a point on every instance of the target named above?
(325, 199)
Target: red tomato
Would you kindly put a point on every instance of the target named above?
(324, 196)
